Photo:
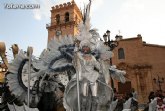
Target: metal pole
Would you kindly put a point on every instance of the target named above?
(78, 71)
(112, 83)
(29, 54)
(109, 43)
(29, 80)
(78, 92)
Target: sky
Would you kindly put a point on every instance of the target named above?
(27, 27)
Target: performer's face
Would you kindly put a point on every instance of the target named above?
(86, 50)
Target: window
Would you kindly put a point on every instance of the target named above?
(76, 18)
(57, 18)
(67, 17)
(121, 54)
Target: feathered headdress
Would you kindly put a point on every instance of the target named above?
(84, 27)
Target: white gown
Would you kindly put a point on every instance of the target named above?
(87, 68)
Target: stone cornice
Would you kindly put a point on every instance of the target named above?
(127, 66)
(142, 66)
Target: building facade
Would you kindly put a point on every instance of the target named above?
(144, 64)
(3, 70)
(64, 20)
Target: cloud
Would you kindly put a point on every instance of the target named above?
(45, 6)
(37, 15)
(44, 10)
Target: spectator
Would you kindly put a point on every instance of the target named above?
(134, 93)
(151, 96)
(131, 103)
(120, 102)
(115, 94)
(160, 106)
(152, 104)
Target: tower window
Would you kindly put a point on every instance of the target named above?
(76, 18)
(67, 17)
(121, 54)
(58, 18)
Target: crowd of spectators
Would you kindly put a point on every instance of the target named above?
(126, 102)
(156, 101)
(129, 102)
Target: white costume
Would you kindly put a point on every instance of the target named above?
(87, 67)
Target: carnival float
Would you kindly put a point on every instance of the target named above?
(71, 73)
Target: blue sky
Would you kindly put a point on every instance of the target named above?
(26, 27)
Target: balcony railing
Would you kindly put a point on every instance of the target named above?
(62, 22)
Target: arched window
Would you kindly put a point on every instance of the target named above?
(121, 54)
(58, 18)
(76, 18)
(67, 17)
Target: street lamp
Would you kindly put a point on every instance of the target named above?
(159, 81)
(111, 44)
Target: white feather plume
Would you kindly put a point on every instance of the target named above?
(12, 76)
(70, 39)
(117, 74)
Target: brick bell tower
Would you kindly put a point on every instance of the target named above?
(64, 20)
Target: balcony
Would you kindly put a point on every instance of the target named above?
(61, 23)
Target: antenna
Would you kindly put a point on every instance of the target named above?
(119, 32)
